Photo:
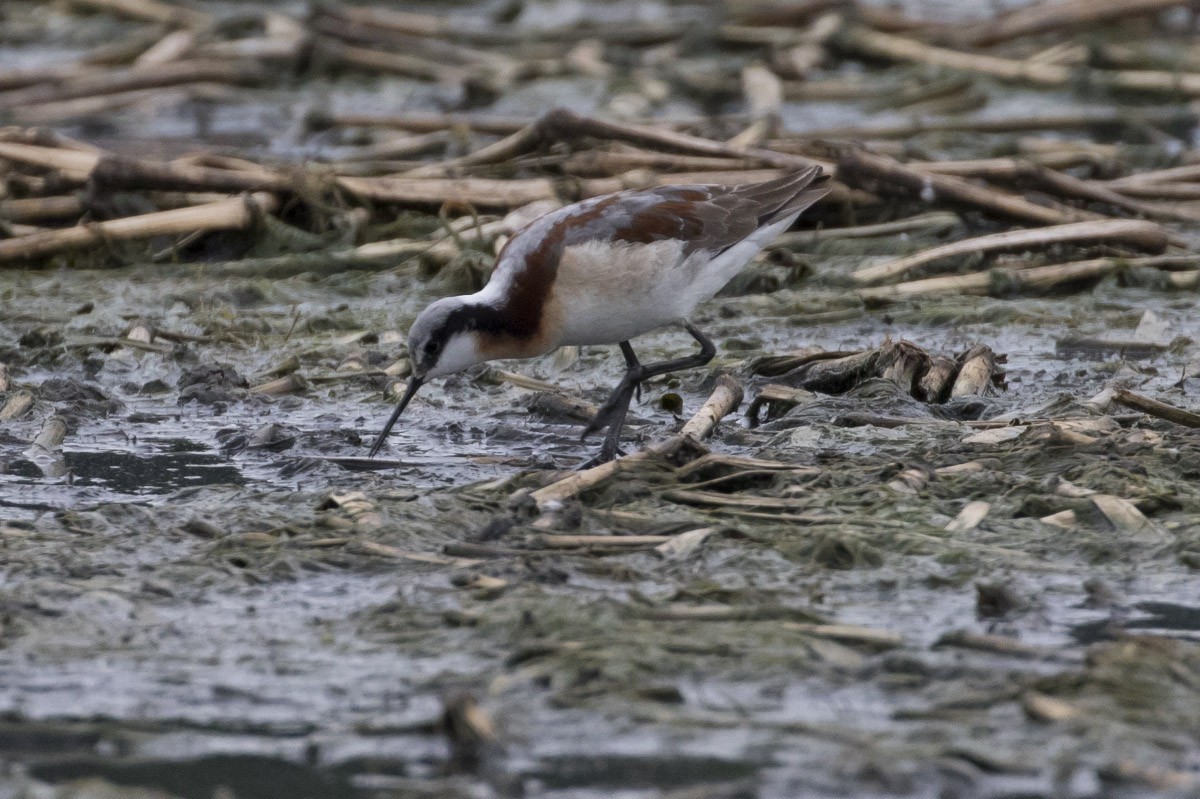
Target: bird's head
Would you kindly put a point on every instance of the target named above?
(445, 339)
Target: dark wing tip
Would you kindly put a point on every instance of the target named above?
(785, 194)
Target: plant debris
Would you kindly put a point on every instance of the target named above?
(928, 525)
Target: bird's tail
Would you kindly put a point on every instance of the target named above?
(787, 195)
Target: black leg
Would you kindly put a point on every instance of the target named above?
(612, 412)
(631, 361)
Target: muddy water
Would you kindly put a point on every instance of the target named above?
(183, 609)
(144, 648)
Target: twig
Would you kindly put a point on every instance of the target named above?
(1138, 233)
(977, 372)
(419, 123)
(1002, 281)
(725, 398)
(1155, 408)
(859, 168)
(600, 541)
(1073, 120)
(235, 213)
(142, 77)
(493, 193)
(1187, 172)
(506, 149)
(604, 163)
(1043, 18)
(1098, 192)
(562, 124)
(41, 209)
(130, 173)
(723, 401)
(931, 223)
(900, 48)
(149, 11)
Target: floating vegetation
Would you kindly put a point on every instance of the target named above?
(928, 525)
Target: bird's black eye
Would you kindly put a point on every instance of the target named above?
(433, 347)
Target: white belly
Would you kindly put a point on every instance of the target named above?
(608, 292)
(605, 292)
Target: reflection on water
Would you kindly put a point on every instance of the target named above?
(136, 473)
(1157, 618)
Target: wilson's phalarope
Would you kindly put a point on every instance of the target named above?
(604, 271)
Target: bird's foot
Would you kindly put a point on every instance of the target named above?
(612, 410)
(605, 455)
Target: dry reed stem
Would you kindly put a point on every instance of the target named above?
(420, 123)
(607, 163)
(1047, 709)
(1184, 281)
(1161, 191)
(20, 78)
(234, 213)
(282, 48)
(1097, 192)
(1155, 408)
(58, 111)
(1187, 172)
(16, 405)
(143, 77)
(564, 125)
(848, 634)
(129, 173)
(149, 11)
(575, 484)
(725, 398)
(41, 137)
(371, 60)
(405, 146)
(1034, 279)
(1071, 120)
(495, 193)
(171, 47)
(50, 438)
(478, 192)
(1005, 168)
(857, 168)
(929, 223)
(1046, 17)
(506, 149)
(599, 541)
(970, 517)
(72, 162)
(899, 48)
(833, 89)
(414, 24)
(976, 374)
(41, 209)
(1137, 233)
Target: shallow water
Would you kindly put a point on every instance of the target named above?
(255, 653)
(188, 602)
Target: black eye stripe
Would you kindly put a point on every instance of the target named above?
(467, 318)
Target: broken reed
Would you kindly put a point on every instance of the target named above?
(606, 155)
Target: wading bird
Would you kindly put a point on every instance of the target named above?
(604, 271)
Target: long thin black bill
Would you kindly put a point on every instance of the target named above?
(414, 383)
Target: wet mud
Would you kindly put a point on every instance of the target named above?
(208, 590)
